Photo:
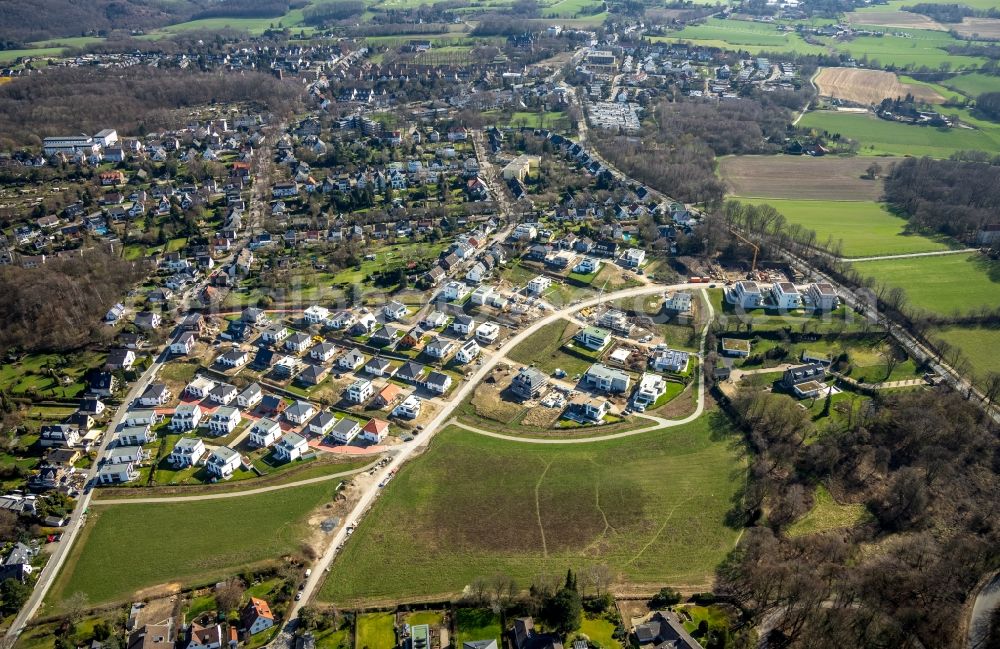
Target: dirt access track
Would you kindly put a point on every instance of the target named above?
(870, 86)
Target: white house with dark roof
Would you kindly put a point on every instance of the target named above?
(157, 394)
(345, 430)
(746, 294)
(323, 351)
(468, 351)
(297, 342)
(223, 394)
(321, 423)
(463, 324)
(438, 382)
(184, 343)
(786, 296)
(235, 357)
(274, 334)
(250, 396)
(351, 360)
(299, 412)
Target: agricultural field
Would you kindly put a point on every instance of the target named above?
(895, 18)
(870, 86)
(878, 137)
(753, 37)
(973, 84)
(980, 346)
(944, 284)
(252, 530)
(826, 178)
(907, 49)
(863, 228)
(987, 28)
(827, 514)
(472, 506)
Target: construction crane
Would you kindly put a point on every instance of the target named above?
(756, 249)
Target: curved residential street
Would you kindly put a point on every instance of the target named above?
(443, 418)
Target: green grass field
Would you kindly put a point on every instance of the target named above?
(740, 34)
(973, 84)
(979, 345)
(600, 632)
(944, 284)
(375, 631)
(920, 47)
(864, 228)
(477, 624)
(652, 507)
(881, 137)
(186, 543)
(827, 514)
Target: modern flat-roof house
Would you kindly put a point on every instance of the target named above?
(746, 294)
(678, 303)
(529, 383)
(786, 296)
(409, 409)
(223, 462)
(360, 391)
(487, 332)
(805, 380)
(670, 360)
(737, 347)
(315, 314)
(633, 257)
(822, 296)
(651, 387)
(607, 379)
(593, 338)
(117, 473)
(539, 285)
(587, 409)
(199, 387)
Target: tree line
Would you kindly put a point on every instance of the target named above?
(134, 100)
(61, 305)
(924, 465)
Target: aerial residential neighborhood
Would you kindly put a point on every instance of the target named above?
(513, 325)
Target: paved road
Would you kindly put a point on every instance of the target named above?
(232, 494)
(443, 417)
(78, 517)
(936, 253)
(659, 422)
(987, 601)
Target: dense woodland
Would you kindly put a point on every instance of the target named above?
(677, 153)
(925, 465)
(134, 101)
(955, 197)
(61, 305)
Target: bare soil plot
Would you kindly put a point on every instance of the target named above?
(900, 19)
(870, 86)
(825, 178)
(981, 27)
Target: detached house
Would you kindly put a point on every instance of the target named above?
(265, 432)
(360, 391)
(187, 452)
(299, 412)
(321, 423)
(187, 416)
(256, 616)
(352, 360)
(375, 431)
(345, 430)
(184, 343)
(250, 396)
(290, 447)
(157, 394)
(224, 420)
(223, 462)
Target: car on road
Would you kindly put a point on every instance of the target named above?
(298, 596)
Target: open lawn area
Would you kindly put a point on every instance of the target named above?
(599, 631)
(907, 48)
(829, 177)
(941, 284)
(53, 376)
(862, 228)
(973, 84)
(477, 624)
(544, 350)
(652, 507)
(245, 531)
(979, 345)
(882, 137)
(827, 514)
(375, 631)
